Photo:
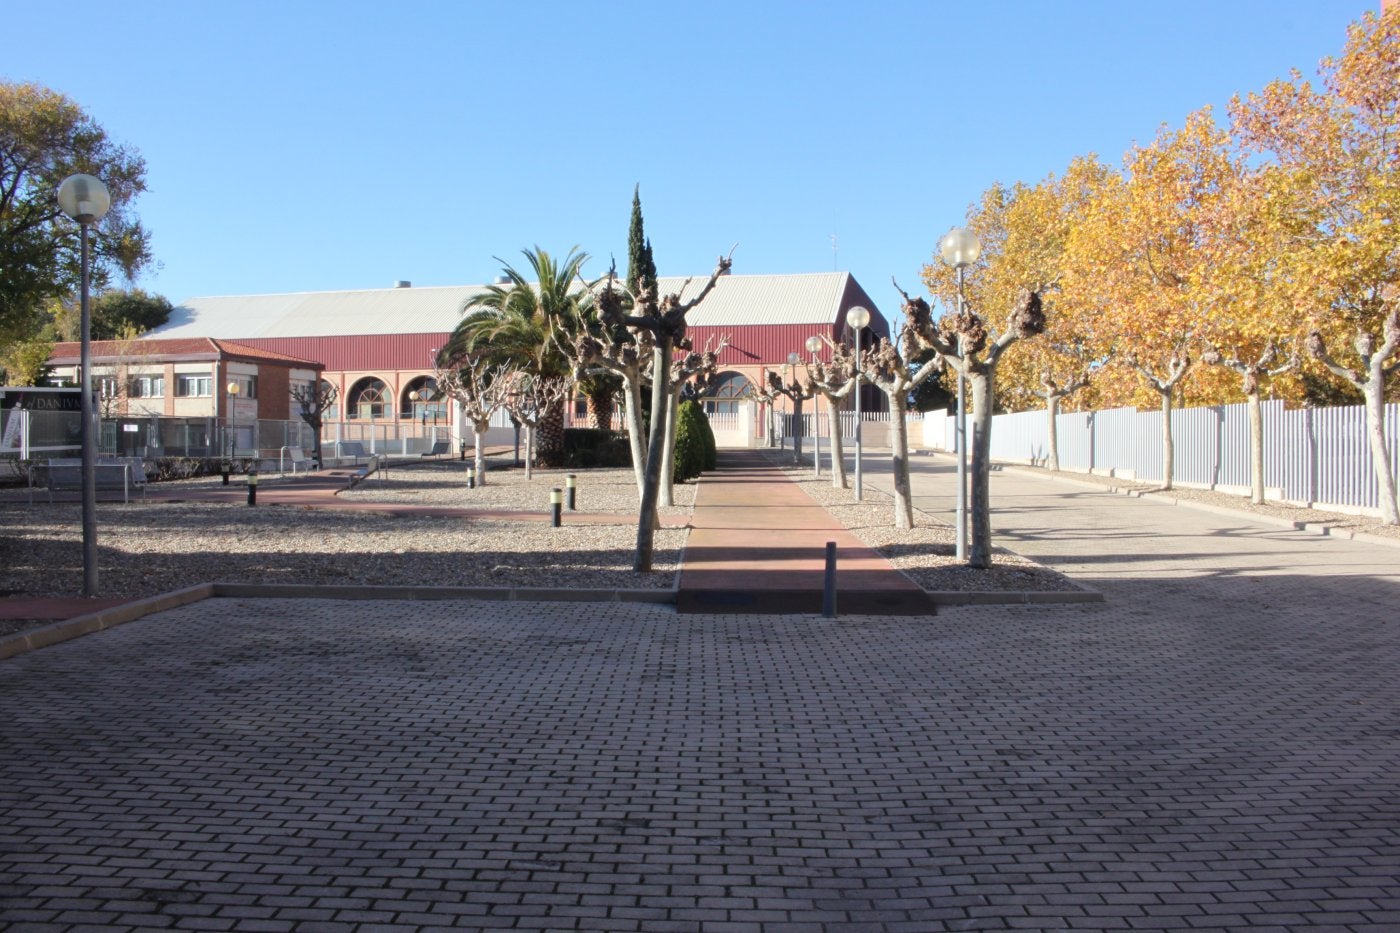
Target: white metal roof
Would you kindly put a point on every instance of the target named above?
(737, 299)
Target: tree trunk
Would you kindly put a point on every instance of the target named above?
(1168, 450)
(635, 439)
(529, 451)
(479, 429)
(656, 442)
(549, 446)
(600, 407)
(1052, 432)
(899, 452)
(979, 549)
(1256, 448)
(1374, 389)
(668, 462)
(797, 430)
(838, 454)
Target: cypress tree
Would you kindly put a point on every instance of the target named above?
(640, 263)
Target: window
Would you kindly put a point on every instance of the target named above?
(106, 386)
(189, 386)
(728, 391)
(247, 385)
(147, 386)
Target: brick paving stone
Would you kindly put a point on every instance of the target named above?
(1212, 746)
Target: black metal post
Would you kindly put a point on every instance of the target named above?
(829, 583)
(89, 432)
(471, 477)
(252, 489)
(571, 482)
(556, 504)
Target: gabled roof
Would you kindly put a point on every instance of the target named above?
(812, 298)
(174, 349)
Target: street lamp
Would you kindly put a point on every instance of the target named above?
(814, 346)
(856, 319)
(960, 248)
(793, 359)
(85, 199)
(232, 419)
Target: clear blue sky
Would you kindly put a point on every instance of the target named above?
(304, 146)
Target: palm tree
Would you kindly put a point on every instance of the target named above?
(513, 323)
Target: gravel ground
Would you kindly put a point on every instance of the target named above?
(147, 548)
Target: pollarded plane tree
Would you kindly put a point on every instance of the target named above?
(1332, 170)
(889, 369)
(480, 389)
(531, 398)
(834, 381)
(695, 371)
(797, 392)
(663, 319)
(965, 343)
(313, 400)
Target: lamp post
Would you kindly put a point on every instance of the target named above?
(793, 359)
(232, 388)
(814, 345)
(86, 200)
(856, 319)
(960, 248)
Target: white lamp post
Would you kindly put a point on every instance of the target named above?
(793, 359)
(960, 248)
(85, 199)
(856, 319)
(232, 388)
(814, 345)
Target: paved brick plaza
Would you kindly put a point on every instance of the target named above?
(1141, 764)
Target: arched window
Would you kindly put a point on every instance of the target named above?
(369, 399)
(726, 392)
(422, 400)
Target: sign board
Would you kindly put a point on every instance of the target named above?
(31, 398)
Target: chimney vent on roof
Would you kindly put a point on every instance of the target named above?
(502, 280)
(403, 283)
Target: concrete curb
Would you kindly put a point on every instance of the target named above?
(24, 642)
(1013, 598)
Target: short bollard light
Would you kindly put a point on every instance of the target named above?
(252, 489)
(471, 477)
(571, 481)
(556, 504)
(226, 469)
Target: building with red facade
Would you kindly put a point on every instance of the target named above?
(377, 346)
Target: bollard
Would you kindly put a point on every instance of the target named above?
(829, 583)
(571, 481)
(556, 502)
(471, 477)
(226, 469)
(252, 489)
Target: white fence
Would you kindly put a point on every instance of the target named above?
(1312, 456)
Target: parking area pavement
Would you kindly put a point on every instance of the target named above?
(1213, 747)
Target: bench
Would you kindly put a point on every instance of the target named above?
(66, 475)
(439, 448)
(353, 449)
(297, 458)
(363, 473)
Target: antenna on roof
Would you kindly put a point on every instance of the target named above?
(834, 251)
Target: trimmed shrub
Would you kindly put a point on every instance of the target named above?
(594, 447)
(709, 438)
(690, 441)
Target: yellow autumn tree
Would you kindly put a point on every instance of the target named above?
(1333, 180)
(1135, 258)
(1037, 222)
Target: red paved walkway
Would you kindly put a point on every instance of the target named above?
(758, 544)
